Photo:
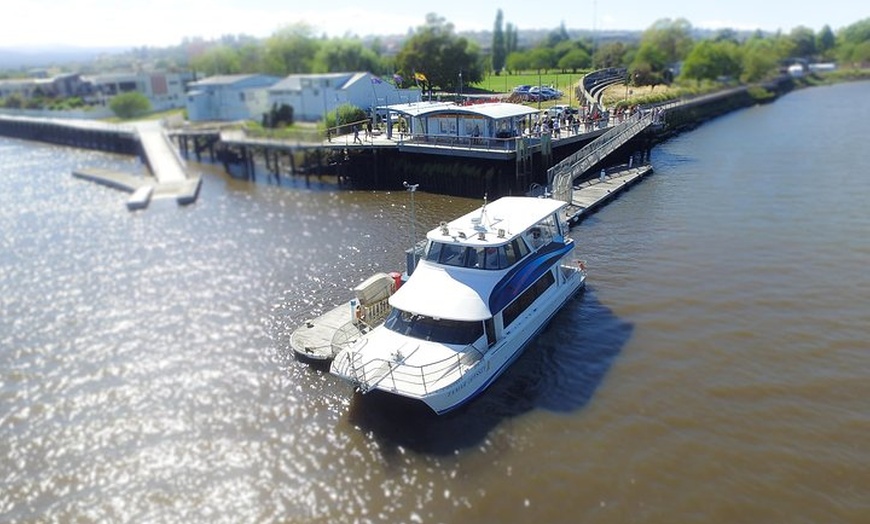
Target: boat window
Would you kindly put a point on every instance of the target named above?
(433, 251)
(489, 326)
(432, 329)
(520, 248)
(527, 298)
(492, 258)
(452, 255)
(510, 255)
(477, 257)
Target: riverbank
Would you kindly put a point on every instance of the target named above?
(367, 167)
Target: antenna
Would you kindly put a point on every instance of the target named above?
(412, 188)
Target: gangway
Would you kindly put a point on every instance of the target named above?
(560, 178)
(166, 163)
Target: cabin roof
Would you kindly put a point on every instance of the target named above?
(493, 110)
(511, 214)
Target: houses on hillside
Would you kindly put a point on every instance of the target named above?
(222, 98)
(165, 90)
(229, 97)
(312, 96)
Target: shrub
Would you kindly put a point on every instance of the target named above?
(344, 117)
(130, 105)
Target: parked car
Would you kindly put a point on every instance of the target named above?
(522, 89)
(558, 110)
(544, 93)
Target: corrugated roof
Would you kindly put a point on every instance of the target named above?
(224, 80)
(493, 110)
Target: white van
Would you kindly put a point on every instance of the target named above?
(557, 110)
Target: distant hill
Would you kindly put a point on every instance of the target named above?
(48, 55)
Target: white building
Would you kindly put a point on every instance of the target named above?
(229, 98)
(164, 90)
(313, 96)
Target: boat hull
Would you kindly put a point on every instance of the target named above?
(475, 379)
(500, 357)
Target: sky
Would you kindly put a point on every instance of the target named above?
(161, 23)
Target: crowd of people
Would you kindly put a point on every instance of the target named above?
(572, 122)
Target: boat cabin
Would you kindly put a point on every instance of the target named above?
(480, 243)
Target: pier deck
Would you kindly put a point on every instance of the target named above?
(588, 196)
(315, 339)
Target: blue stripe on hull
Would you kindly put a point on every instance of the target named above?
(513, 357)
(527, 272)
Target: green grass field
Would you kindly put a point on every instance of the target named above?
(564, 82)
(506, 83)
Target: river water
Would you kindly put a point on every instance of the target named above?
(715, 370)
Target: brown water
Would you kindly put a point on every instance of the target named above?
(715, 370)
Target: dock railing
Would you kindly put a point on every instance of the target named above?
(396, 373)
(375, 313)
(560, 178)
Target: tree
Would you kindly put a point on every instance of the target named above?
(130, 105)
(760, 59)
(711, 60)
(519, 61)
(291, 50)
(611, 54)
(673, 38)
(278, 116)
(856, 33)
(804, 41)
(574, 60)
(649, 65)
(542, 58)
(825, 41)
(219, 60)
(344, 117)
(557, 36)
(499, 49)
(344, 55)
(662, 45)
(854, 42)
(511, 43)
(437, 53)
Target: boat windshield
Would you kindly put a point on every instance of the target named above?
(433, 329)
(477, 257)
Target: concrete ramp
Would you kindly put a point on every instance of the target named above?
(171, 179)
(162, 158)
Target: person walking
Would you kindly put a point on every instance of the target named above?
(356, 134)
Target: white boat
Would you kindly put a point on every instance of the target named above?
(485, 285)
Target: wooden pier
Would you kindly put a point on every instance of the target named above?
(590, 195)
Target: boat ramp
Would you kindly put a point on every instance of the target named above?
(170, 177)
(169, 174)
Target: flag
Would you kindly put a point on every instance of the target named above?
(376, 80)
(420, 77)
